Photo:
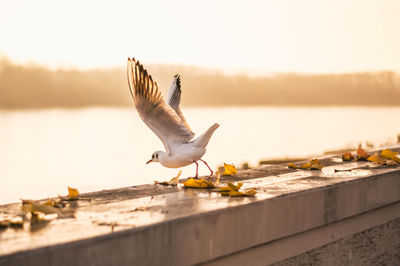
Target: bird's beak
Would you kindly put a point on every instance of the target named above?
(149, 161)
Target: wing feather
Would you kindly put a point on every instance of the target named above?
(156, 114)
(174, 98)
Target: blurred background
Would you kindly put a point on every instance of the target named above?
(285, 79)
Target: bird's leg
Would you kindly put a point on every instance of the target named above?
(197, 170)
(207, 166)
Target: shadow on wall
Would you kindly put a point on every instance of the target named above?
(34, 86)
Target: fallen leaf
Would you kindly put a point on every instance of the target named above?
(50, 202)
(376, 159)
(248, 193)
(218, 179)
(198, 183)
(389, 154)
(235, 187)
(34, 206)
(316, 165)
(362, 155)
(172, 182)
(306, 166)
(230, 187)
(73, 193)
(347, 156)
(230, 169)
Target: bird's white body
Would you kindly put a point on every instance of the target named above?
(185, 154)
(166, 120)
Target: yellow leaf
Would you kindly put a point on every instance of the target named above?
(50, 203)
(389, 154)
(249, 193)
(316, 165)
(230, 169)
(224, 189)
(236, 194)
(235, 187)
(376, 159)
(73, 193)
(172, 182)
(306, 166)
(164, 183)
(292, 165)
(35, 206)
(347, 156)
(198, 183)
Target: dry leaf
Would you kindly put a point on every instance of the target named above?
(248, 193)
(218, 179)
(306, 166)
(230, 169)
(50, 202)
(34, 206)
(316, 165)
(347, 156)
(198, 183)
(235, 187)
(376, 159)
(172, 182)
(389, 154)
(73, 193)
(362, 154)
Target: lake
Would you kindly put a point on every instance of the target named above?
(44, 151)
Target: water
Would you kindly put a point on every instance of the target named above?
(42, 152)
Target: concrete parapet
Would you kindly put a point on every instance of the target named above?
(293, 212)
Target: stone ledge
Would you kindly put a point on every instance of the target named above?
(153, 225)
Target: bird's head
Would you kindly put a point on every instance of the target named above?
(155, 157)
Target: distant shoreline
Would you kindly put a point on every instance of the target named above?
(31, 87)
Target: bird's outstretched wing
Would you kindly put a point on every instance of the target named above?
(157, 115)
(174, 98)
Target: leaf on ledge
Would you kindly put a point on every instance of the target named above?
(230, 169)
(173, 182)
(316, 165)
(389, 154)
(347, 156)
(34, 206)
(362, 155)
(376, 159)
(198, 183)
(73, 193)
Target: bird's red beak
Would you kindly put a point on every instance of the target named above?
(149, 161)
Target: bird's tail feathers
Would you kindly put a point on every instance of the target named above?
(203, 140)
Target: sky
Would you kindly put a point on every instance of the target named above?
(310, 36)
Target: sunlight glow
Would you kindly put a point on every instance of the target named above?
(265, 36)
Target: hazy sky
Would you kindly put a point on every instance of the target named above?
(281, 35)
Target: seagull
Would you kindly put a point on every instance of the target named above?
(166, 120)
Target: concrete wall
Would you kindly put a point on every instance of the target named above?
(295, 212)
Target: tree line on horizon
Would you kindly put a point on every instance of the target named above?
(33, 86)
